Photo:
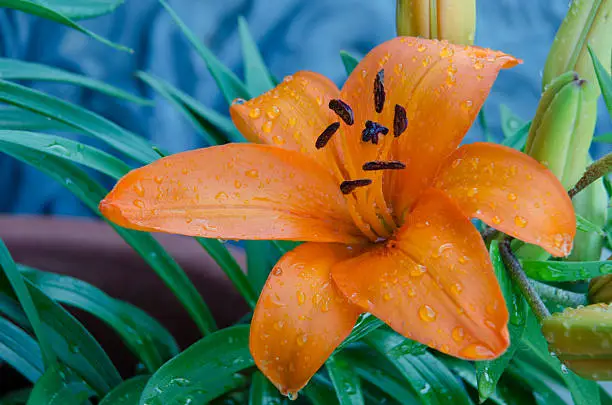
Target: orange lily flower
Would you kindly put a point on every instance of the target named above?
(373, 179)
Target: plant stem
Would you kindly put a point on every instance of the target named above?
(559, 296)
(598, 169)
(518, 276)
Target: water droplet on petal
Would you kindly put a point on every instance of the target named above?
(511, 197)
(139, 203)
(472, 192)
(252, 173)
(301, 339)
(221, 196)
(496, 220)
(387, 297)
(255, 113)
(301, 297)
(139, 189)
(273, 112)
(520, 221)
(277, 271)
(267, 127)
(477, 351)
(279, 140)
(427, 313)
(238, 101)
(418, 271)
(458, 334)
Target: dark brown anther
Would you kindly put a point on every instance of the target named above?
(384, 165)
(371, 131)
(349, 186)
(343, 111)
(400, 122)
(326, 135)
(379, 91)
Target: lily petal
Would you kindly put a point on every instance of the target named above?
(234, 191)
(440, 86)
(434, 283)
(291, 116)
(512, 192)
(300, 317)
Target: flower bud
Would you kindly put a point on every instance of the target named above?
(600, 289)
(587, 22)
(582, 339)
(452, 20)
(562, 130)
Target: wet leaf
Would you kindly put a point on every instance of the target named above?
(262, 391)
(60, 386)
(345, 381)
(203, 371)
(13, 118)
(19, 350)
(566, 271)
(126, 393)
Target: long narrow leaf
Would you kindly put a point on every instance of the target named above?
(263, 392)
(79, 118)
(566, 271)
(215, 128)
(202, 372)
(13, 69)
(604, 79)
(83, 9)
(20, 351)
(145, 337)
(256, 74)
(67, 149)
(345, 381)
(90, 193)
(60, 386)
(126, 393)
(19, 119)
(25, 299)
(350, 62)
(231, 87)
(42, 11)
(18, 397)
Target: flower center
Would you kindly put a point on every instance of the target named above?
(365, 195)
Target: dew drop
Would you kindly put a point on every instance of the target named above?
(427, 313)
(292, 122)
(418, 271)
(467, 105)
(421, 48)
(267, 127)
(159, 179)
(476, 351)
(520, 221)
(139, 189)
(456, 288)
(496, 220)
(255, 113)
(446, 52)
(458, 334)
(472, 192)
(301, 339)
(273, 112)
(301, 297)
(237, 183)
(478, 65)
(512, 197)
(252, 173)
(221, 196)
(277, 271)
(279, 140)
(139, 203)
(387, 297)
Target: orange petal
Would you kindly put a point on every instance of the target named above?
(291, 116)
(434, 283)
(234, 191)
(511, 192)
(441, 87)
(300, 317)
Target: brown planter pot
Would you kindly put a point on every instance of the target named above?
(92, 251)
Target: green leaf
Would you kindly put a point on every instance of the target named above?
(60, 386)
(261, 257)
(320, 392)
(345, 380)
(256, 74)
(20, 351)
(145, 337)
(263, 392)
(510, 122)
(467, 371)
(365, 325)
(72, 343)
(20, 119)
(350, 62)
(489, 372)
(216, 129)
(79, 118)
(231, 87)
(90, 193)
(42, 11)
(566, 271)
(126, 393)
(583, 392)
(13, 69)
(545, 389)
(67, 149)
(604, 79)
(584, 225)
(18, 286)
(425, 374)
(519, 138)
(605, 138)
(484, 124)
(203, 371)
(18, 397)
(82, 9)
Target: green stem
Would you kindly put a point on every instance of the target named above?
(558, 296)
(598, 169)
(518, 276)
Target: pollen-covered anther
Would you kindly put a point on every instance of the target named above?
(326, 135)
(400, 121)
(371, 131)
(342, 110)
(384, 165)
(379, 91)
(349, 186)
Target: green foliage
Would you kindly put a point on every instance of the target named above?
(256, 74)
(345, 380)
(604, 79)
(126, 393)
(60, 386)
(20, 351)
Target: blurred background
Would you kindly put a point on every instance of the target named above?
(292, 35)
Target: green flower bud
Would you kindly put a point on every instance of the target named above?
(582, 339)
(452, 20)
(562, 130)
(587, 22)
(600, 290)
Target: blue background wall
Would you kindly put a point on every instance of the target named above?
(292, 34)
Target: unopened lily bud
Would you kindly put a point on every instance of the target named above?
(562, 130)
(587, 22)
(600, 289)
(452, 20)
(582, 339)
